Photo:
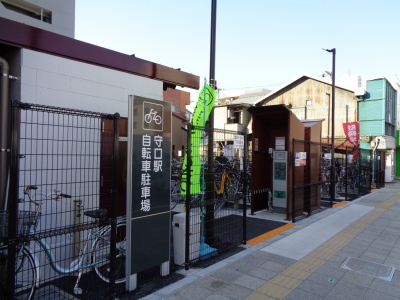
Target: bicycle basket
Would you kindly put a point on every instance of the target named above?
(25, 220)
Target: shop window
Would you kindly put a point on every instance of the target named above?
(176, 108)
(234, 116)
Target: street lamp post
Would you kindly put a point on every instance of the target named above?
(333, 173)
(329, 115)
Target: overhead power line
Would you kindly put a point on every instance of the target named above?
(251, 87)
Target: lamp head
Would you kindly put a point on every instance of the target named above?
(330, 50)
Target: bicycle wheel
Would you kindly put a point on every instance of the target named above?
(25, 274)
(147, 118)
(157, 119)
(101, 254)
(176, 195)
(230, 190)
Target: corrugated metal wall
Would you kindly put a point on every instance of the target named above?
(377, 111)
(305, 89)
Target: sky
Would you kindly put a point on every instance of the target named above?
(259, 43)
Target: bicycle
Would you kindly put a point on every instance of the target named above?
(98, 257)
(225, 186)
(176, 194)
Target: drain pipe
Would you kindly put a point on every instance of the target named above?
(4, 129)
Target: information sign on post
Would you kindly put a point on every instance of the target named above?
(148, 187)
(238, 142)
(280, 143)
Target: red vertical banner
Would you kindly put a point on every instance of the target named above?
(351, 130)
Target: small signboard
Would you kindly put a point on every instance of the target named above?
(255, 144)
(300, 159)
(280, 143)
(229, 151)
(238, 142)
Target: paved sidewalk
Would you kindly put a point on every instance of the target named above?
(349, 252)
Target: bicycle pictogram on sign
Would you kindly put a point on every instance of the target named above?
(153, 116)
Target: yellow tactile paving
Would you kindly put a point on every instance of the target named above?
(313, 260)
(384, 206)
(340, 204)
(284, 283)
(296, 274)
(270, 234)
(335, 243)
(301, 265)
(323, 254)
(274, 290)
(394, 198)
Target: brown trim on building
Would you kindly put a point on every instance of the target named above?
(340, 143)
(28, 37)
(179, 116)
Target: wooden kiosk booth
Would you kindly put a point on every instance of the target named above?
(279, 142)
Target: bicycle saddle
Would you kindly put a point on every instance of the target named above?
(97, 213)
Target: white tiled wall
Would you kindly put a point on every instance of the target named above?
(56, 81)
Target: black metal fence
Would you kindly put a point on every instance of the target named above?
(311, 177)
(216, 200)
(354, 173)
(313, 181)
(60, 229)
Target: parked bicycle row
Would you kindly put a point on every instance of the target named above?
(94, 250)
(228, 176)
(351, 178)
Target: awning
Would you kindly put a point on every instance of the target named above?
(340, 144)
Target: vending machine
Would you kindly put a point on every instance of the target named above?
(279, 181)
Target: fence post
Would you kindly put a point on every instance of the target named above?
(13, 197)
(308, 168)
(114, 196)
(346, 179)
(371, 170)
(188, 195)
(293, 180)
(359, 170)
(245, 187)
(209, 218)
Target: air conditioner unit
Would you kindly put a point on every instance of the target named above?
(366, 138)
